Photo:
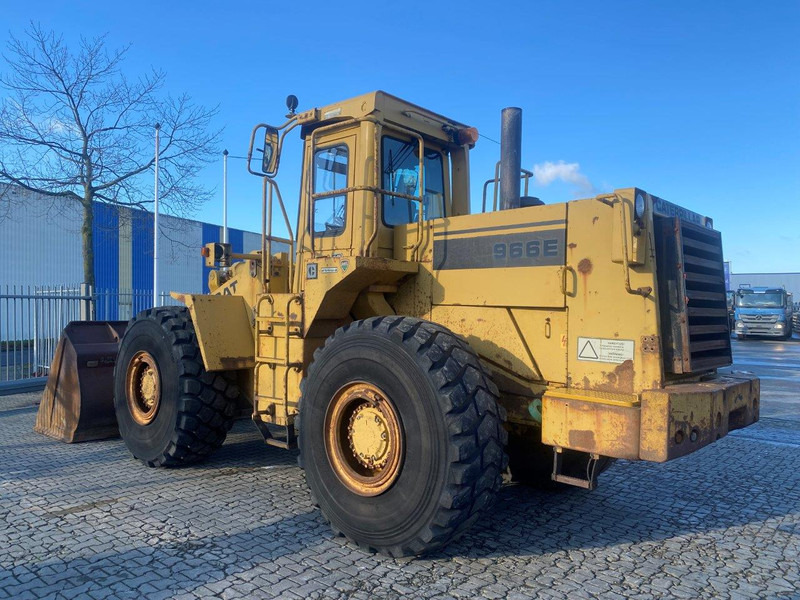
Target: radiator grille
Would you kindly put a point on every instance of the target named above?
(760, 324)
(756, 319)
(691, 281)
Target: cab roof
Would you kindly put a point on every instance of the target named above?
(390, 109)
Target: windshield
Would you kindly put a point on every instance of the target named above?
(401, 174)
(756, 300)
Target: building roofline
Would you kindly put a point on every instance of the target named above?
(762, 273)
(131, 208)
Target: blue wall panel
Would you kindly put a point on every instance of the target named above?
(105, 243)
(142, 258)
(211, 233)
(236, 240)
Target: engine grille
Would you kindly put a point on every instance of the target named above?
(691, 287)
(761, 324)
(756, 319)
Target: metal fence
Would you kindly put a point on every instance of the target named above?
(32, 318)
(121, 305)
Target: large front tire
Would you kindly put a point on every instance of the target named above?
(401, 436)
(170, 410)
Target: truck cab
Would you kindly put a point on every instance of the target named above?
(763, 311)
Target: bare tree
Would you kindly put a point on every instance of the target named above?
(73, 124)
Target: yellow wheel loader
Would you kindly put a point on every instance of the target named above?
(411, 348)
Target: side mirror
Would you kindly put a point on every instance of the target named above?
(269, 163)
(270, 153)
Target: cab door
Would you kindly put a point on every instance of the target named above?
(332, 175)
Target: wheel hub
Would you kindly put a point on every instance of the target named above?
(368, 434)
(148, 387)
(143, 387)
(363, 439)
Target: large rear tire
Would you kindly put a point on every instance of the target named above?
(170, 410)
(401, 436)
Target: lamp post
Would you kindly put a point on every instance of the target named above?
(155, 224)
(224, 196)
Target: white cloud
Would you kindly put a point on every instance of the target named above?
(547, 172)
(58, 126)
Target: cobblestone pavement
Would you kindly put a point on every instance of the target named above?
(87, 521)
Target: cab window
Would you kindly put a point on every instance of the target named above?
(330, 174)
(400, 166)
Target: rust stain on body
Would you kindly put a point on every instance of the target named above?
(585, 266)
(581, 438)
(585, 269)
(619, 380)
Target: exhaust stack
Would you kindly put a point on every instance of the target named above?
(510, 157)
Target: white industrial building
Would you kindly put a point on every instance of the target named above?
(789, 281)
(42, 238)
(42, 249)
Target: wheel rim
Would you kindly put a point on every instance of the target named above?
(143, 388)
(363, 439)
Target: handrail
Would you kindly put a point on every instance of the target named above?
(362, 188)
(291, 244)
(524, 174)
(266, 258)
(376, 206)
(641, 291)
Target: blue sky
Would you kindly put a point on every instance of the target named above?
(696, 102)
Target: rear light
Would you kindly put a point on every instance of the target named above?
(467, 136)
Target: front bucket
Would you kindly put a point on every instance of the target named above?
(78, 401)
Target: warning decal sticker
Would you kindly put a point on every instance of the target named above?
(605, 350)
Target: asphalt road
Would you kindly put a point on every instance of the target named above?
(87, 521)
(777, 363)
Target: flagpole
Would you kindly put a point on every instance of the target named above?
(155, 224)
(224, 196)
